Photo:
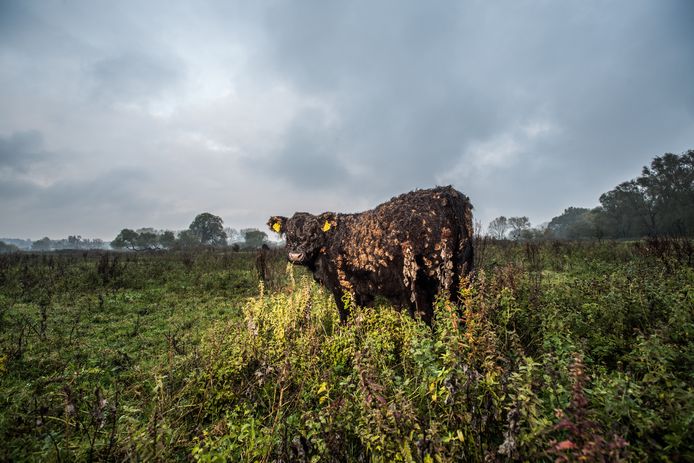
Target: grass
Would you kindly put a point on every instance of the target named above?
(555, 352)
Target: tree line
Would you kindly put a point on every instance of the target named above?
(206, 230)
(658, 202)
(72, 242)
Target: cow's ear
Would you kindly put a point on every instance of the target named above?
(328, 221)
(277, 223)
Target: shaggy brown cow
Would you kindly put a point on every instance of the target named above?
(406, 249)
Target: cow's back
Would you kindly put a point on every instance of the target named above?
(425, 229)
(426, 218)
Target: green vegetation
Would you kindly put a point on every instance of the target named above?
(556, 352)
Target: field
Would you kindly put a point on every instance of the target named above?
(557, 351)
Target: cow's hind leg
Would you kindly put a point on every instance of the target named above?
(425, 307)
(425, 293)
(364, 300)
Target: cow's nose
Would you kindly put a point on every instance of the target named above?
(296, 256)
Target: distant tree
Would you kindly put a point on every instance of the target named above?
(167, 239)
(660, 201)
(44, 244)
(147, 240)
(517, 225)
(74, 242)
(498, 227)
(126, 239)
(576, 223)
(233, 235)
(22, 245)
(144, 239)
(6, 248)
(668, 190)
(208, 229)
(94, 243)
(625, 211)
(588, 226)
(254, 238)
(560, 224)
(186, 239)
(532, 234)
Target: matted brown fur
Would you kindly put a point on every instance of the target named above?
(406, 250)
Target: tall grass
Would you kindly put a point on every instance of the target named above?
(554, 352)
(593, 364)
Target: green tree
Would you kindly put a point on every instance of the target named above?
(254, 238)
(576, 223)
(668, 190)
(44, 244)
(625, 211)
(208, 229)
(147, 240)
(661, 200)
(167, 239)
(186, 239)
(126, 239)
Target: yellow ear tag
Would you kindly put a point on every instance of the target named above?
(277, 227)
(326, 226)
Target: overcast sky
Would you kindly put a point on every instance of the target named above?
(133, 114)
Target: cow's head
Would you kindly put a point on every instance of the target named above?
(305, 234)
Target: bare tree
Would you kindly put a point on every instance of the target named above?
(498, 227)
(517, 225)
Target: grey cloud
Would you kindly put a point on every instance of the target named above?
(134, 75)
(21, 149)
(37, 42)
(113, 189)
(417, 86)
(308, 158)
(12, 187)
(403, 80)
(18, 27)
(69, 207)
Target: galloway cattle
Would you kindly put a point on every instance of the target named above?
(406, 250)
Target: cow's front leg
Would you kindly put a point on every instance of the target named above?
(342, 311)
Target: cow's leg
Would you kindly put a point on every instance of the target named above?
(364, 300)
(425, 306)
(425, 292)
(412, 310)
(342, 311)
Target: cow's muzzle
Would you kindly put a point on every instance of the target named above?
(296, 257)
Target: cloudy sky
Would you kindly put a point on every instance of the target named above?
(132, 114)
